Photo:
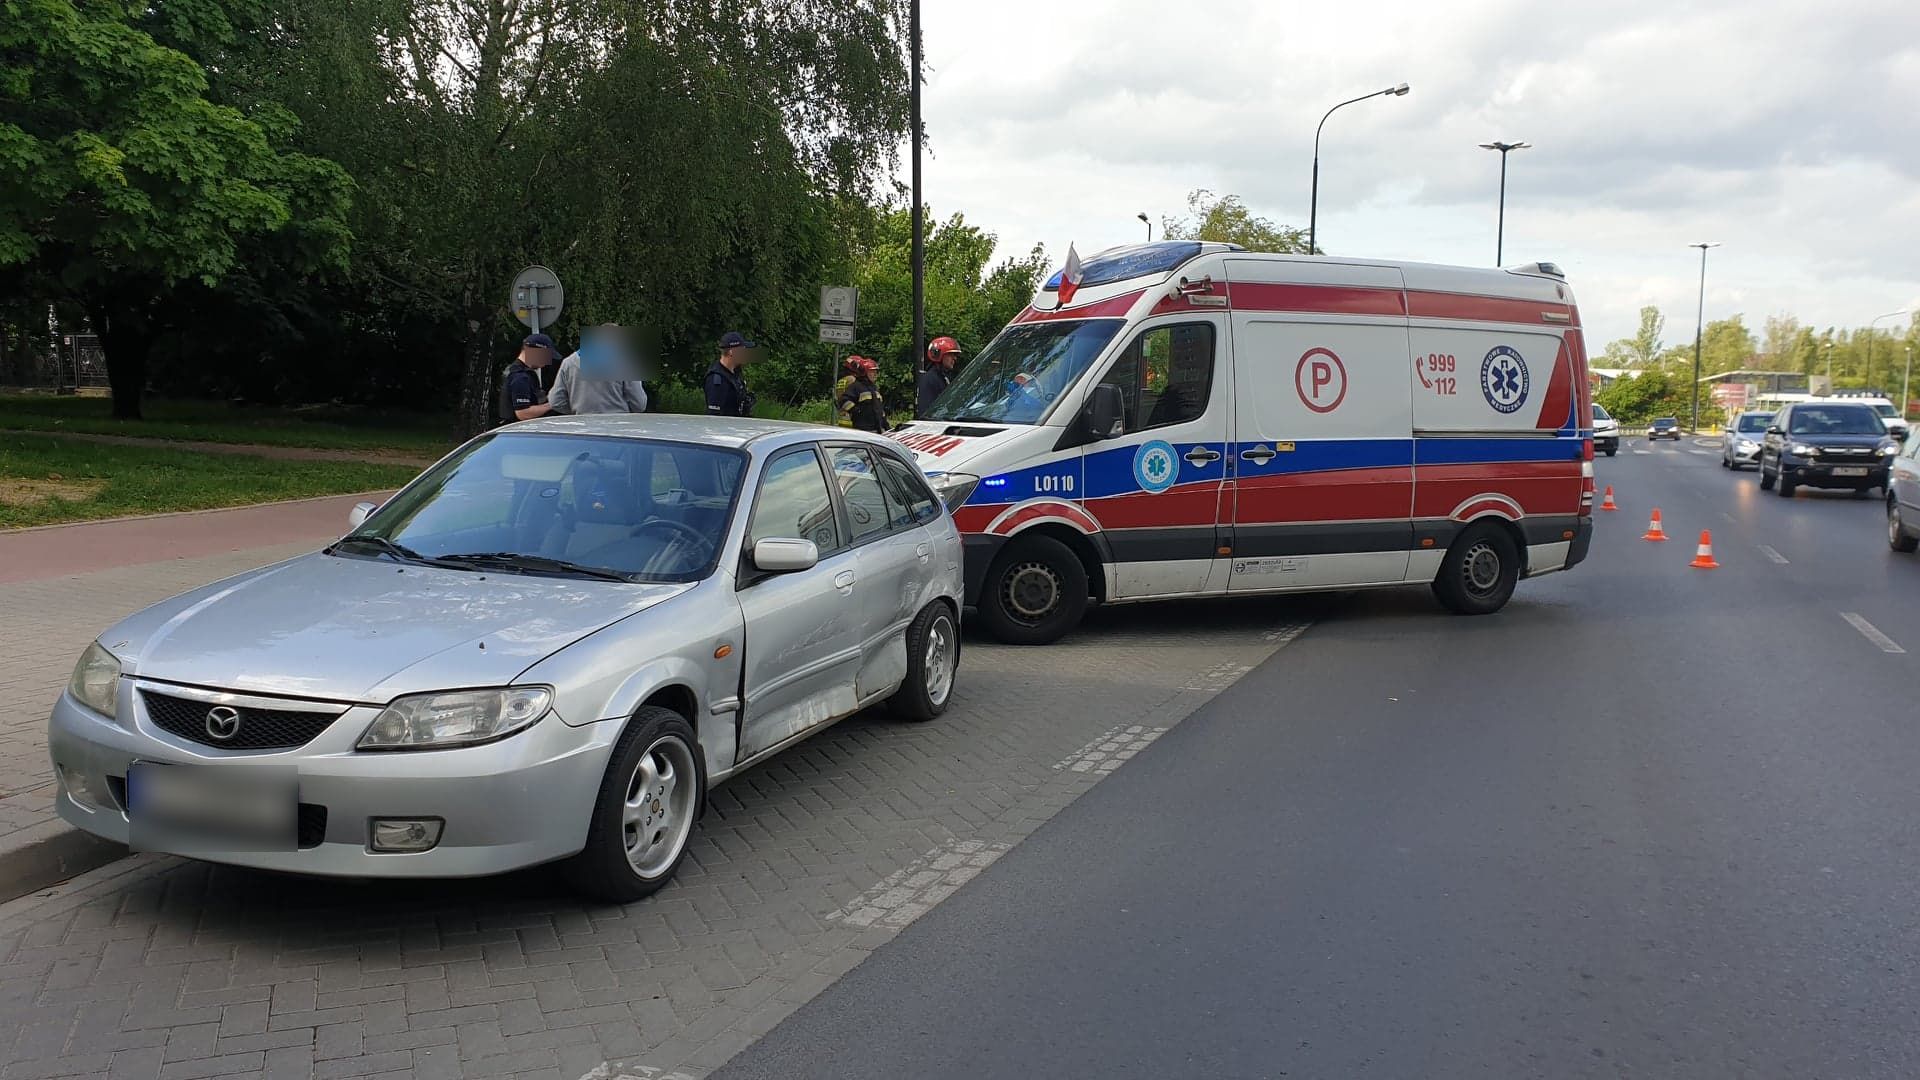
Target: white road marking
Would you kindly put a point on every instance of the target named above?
(1872, 633)
(1218, 677)
(1284, 634)
(1110, 750)
(1643, 451)
(1702, 453)
(911, 892)
(1774, 555)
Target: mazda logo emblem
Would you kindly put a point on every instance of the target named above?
(222, 722)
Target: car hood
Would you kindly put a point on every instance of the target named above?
(950, 446)
(366, 630)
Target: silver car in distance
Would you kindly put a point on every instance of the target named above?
(548, 646)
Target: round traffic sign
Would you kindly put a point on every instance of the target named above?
(536, 297)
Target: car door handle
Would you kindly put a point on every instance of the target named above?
(1259, 455)
(1200, 455)
(843, 580)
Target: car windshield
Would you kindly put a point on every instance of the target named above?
(1666, 421)
(562, 505)
(1600, 413)
(1835, 420)
(1887, 411)
(1017, 378)
(1754, 421)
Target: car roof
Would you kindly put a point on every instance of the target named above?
(730, 432)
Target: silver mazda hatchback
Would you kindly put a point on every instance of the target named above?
(548, 646)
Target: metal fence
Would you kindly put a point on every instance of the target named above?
(79, 363)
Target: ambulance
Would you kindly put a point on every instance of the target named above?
(1187, 419)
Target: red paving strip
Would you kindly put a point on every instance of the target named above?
(62, 550)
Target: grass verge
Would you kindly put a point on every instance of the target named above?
(321, 427)
(48, 481)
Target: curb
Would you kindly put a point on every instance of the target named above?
(53, 852)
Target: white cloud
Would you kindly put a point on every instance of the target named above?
(1786, 131)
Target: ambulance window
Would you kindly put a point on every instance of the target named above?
(1165, 375)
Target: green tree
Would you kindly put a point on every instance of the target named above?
(119, 178)
(1224, 219)
(1643, 348)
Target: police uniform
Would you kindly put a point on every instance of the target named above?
(727, 393)
(519, 389)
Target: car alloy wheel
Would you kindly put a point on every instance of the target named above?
(658, 812)
(941, 656)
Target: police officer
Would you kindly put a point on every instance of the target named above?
(521, 395)
(727, 393)
(942, 354)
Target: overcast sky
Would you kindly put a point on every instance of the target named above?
(1786, 131)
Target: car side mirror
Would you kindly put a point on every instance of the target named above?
(776, 555)
(1105, 412)
(360, 513)
(1775, 431)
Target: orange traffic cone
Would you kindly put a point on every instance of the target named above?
(1703, 555)
(1607, 503)
(1654, 532)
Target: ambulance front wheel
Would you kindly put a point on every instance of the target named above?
(1035, 592)
(1481, 568)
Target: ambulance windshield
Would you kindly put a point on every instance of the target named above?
(1017, 378)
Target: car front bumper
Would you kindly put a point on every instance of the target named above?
(1603, 443)
(1744, 457)
(517, 802)
(1822, 476)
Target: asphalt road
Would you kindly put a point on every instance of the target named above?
(1648, 821)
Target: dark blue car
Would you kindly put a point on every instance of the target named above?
(1826, 444)
(1664, 428)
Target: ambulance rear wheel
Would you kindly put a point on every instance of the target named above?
(1478, 575)
(1035, 592)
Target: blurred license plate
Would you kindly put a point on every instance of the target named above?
(188, 808)
(1850, 470)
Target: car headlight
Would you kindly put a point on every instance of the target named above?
(1747, 446)
(953, 487)
(1889, 450)
(455, 718)
(96, 680)
(1803, 449)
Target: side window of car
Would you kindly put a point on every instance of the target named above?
(853, 471)
(794, 503)
(908, 496)
(1165, 375)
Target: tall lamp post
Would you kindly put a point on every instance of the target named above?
(1313, 206)
(1149, 224)
(1699, 330)
(1829, 369)
(919, 223)
(1906, 384)
(1870, 326)
(1500, 231)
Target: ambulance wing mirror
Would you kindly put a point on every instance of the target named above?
(1106, 412)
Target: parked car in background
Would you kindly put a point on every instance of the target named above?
(547, 647)
(1889, 415)
(1825, 444)
(1740, 447)
(1606, 431)
(1666, 427)
(1903, 497)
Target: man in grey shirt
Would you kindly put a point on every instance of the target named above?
(601, 377)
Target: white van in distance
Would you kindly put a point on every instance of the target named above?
(1193, 419)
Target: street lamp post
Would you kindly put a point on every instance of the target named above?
(1829, 369)
(1313, 206)
(919, 252)
(1699, 330)
(1148, 223)
(1906, 384)
(1870, 326)
(1500, 233)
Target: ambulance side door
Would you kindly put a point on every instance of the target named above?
(1323, 487)
(1156, 490)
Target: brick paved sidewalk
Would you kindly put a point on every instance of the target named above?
(160, 967)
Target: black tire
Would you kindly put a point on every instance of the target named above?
(1035, 592)
(1784, 486)
(1612, 450)
(1897, 536)
(602, 868)
(1766, 479)
(1470, 584)
(923, 697)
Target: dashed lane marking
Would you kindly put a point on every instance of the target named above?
(1774, 555)
(911, 892)
(1111, 750)
(1872, 633)
(1643, 451)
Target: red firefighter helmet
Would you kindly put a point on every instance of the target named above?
(940, 347)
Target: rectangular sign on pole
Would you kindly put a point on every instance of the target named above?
(839, 304)
(836, 333)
